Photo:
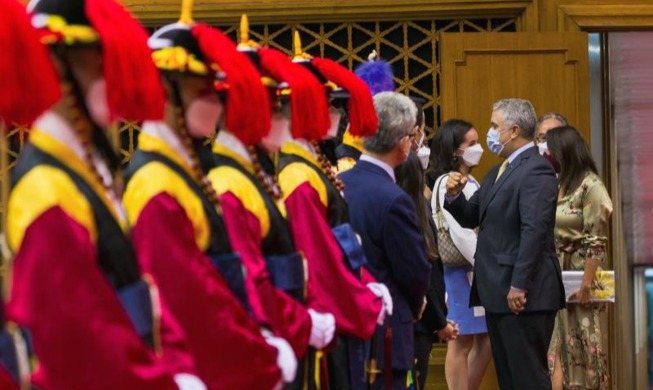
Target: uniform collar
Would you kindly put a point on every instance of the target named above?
(301, 148)
(165, 133)
(229, 145)
(153, 139)
(54, 135)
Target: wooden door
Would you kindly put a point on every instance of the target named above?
(549, 69)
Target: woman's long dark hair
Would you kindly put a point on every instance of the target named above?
(410, 177)
(568, 147)
(447, 139)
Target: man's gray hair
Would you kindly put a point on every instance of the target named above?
(518, 112)
(396, 113)
(552, 115)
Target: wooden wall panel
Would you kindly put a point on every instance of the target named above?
(155, 12)
(549, 69)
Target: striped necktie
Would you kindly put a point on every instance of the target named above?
(502, 169)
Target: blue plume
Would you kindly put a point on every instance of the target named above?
(378, 76)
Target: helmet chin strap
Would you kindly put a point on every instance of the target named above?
(98, 135)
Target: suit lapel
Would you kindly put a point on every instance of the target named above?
(490, 178)
(503, 179)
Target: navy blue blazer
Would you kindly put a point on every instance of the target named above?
(515, 244)
(386, 219)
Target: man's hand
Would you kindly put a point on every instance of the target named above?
(516, 300)
(455, 183)
(449, 332)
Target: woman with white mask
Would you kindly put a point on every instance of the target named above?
(455, 147)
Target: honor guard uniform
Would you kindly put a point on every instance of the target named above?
(337, 281)
(22, 71)
(96, 322)
(349, 151)
(14, 365)
(179, 232)
(254, 211)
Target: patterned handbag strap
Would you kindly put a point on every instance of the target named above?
(438, 208)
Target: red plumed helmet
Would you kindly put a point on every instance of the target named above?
(308, 100)
(248, 107)
(134, 89)
(363, 121)
(27, 76)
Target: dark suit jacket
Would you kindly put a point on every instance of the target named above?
(515, 244)
(386, 219)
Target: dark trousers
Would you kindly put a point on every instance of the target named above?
(338, 363)
(519, 346)
(423, 346)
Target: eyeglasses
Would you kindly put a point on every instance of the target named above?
(541, 138)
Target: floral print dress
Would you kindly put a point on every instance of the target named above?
(581, 233)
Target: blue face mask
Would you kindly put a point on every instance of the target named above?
(493, 142)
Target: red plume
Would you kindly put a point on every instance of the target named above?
(308, 103)
(363, 121)
(29, 81)
(134, 88)
(248, 106)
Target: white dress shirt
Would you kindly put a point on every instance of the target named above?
(383, 165)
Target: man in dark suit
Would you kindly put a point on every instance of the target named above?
(385, 217)
(517, 277)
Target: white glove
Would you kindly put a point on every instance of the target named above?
(323, 329)
(381, 291)
(286, 360)
(189, 382)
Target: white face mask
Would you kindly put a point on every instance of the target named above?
(472, 155)
(96, 102)
(202, 116)
(334, 114)
(424, 153)
(278, 133)
(542, 147)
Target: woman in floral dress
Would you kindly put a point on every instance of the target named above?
(577, 355)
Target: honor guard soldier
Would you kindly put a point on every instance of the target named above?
(180, 235)
(313, 195)
(96, 321)
(252, 201)
(17, 77)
